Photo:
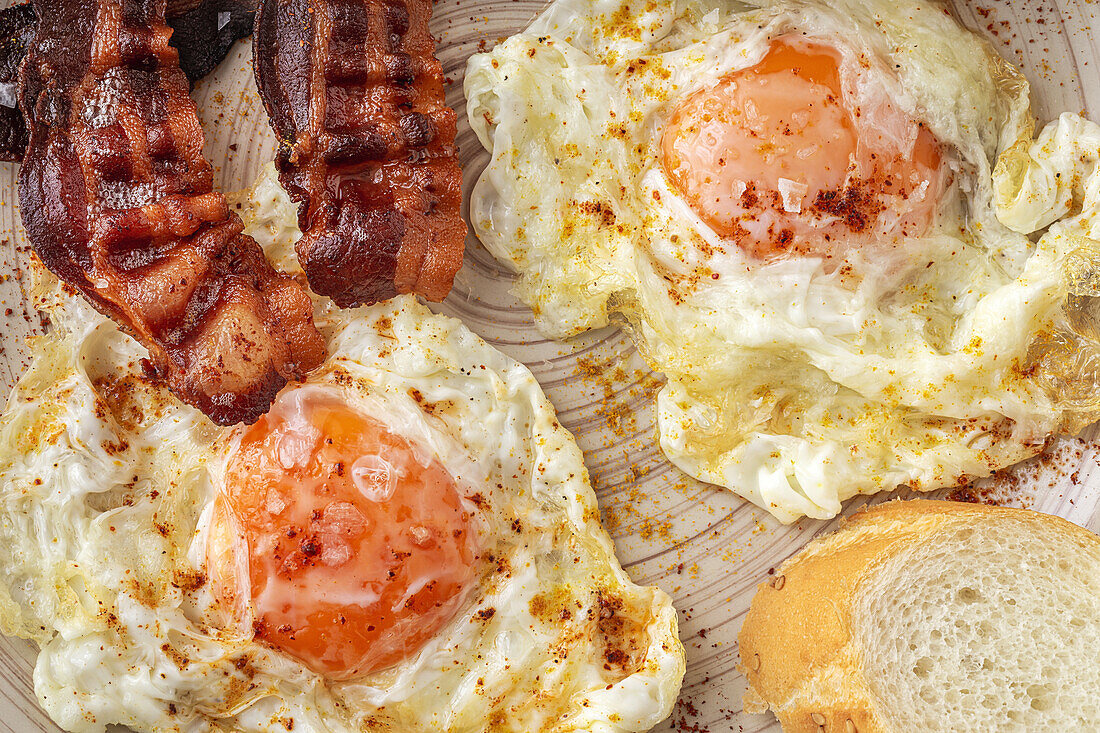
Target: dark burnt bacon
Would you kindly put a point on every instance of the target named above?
(118, 202)
(204, 31)
(16, 32)
(355, 95)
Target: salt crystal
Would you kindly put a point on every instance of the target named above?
(274, 503)
(374, 477)
(792, 192)
(335, 554)
(9, 95)
(421, 536)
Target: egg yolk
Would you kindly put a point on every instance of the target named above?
(775, 158)
(350, 543)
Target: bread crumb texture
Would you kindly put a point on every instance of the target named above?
(931, 616)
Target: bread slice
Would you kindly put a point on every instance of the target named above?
(931, 616)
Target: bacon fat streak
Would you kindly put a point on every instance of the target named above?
(355, 95)
(118, 202)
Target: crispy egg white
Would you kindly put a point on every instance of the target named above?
(112, 552)
(913, 327)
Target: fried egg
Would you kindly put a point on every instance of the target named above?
(828, 224)
(407, 541)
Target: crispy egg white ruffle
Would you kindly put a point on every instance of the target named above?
(924, 361)
(106, 479)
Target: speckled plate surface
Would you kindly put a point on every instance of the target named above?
(703, 545)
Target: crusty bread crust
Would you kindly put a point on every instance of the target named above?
(797, 644)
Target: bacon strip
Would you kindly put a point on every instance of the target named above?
(355, 94)
(203, 33)
(117, 200)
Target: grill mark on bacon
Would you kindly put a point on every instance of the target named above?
(118, 201)
(355, 95)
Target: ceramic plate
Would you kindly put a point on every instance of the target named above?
(703, 545)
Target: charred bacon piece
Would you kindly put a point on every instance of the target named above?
(355, 95)
(118, 202)
(16, 33)
(205, 30)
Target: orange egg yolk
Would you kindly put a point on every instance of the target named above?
(775, 158)
(350, 545)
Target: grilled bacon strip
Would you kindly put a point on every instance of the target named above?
(355, 95)
(118, 201)
(204, 31)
